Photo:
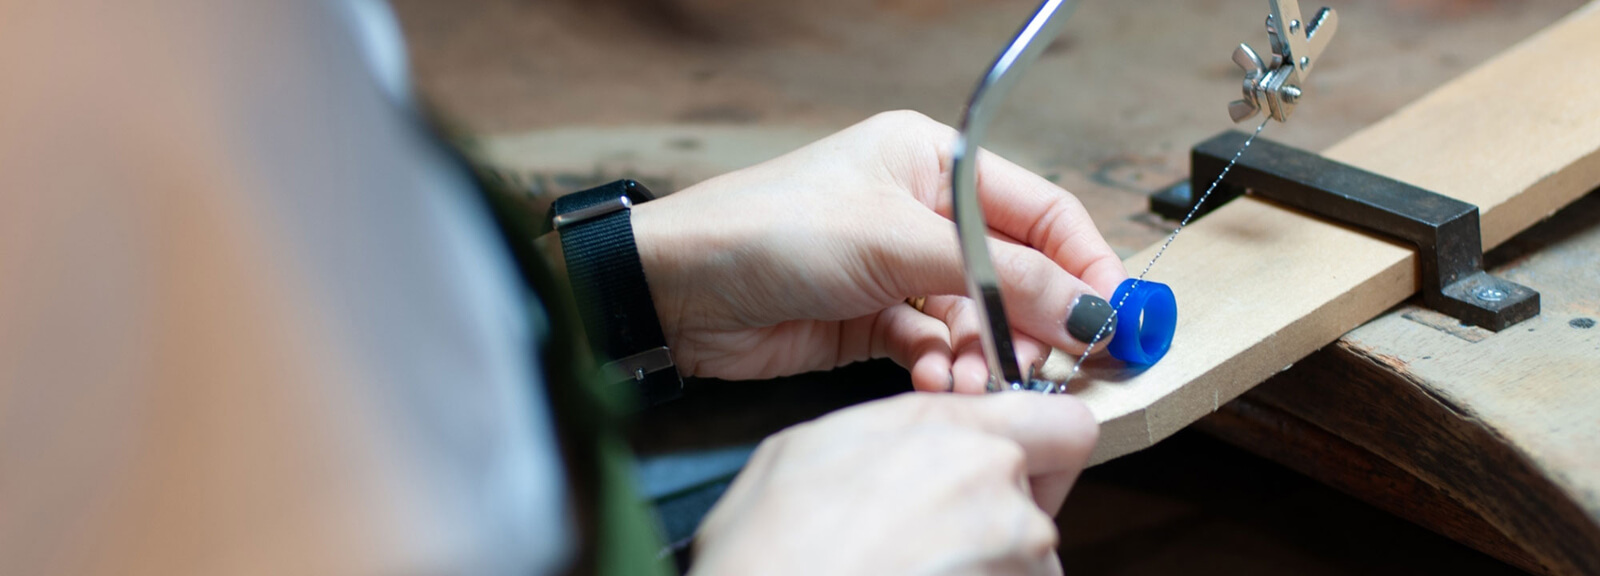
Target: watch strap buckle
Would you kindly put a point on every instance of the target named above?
(586, 213)
(637, 366)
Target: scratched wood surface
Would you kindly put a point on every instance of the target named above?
(1500, 431)
(1109, 111)
(1260, 286)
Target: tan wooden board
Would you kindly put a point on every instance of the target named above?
(1260, 286)
(1492, 439)
(1505, 425)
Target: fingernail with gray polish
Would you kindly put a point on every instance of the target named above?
(1088, 314)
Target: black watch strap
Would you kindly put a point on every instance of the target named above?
(609, 287)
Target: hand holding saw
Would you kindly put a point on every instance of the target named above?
(1297, 44)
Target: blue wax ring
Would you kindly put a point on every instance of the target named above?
(1146, 321)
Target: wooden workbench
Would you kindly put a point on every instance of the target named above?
(1492, 439)
(1421, 449)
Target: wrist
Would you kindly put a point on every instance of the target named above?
(610, 289)
(654, 238)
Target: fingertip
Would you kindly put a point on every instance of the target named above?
(916, 341)
(971, 375)
(1064, 420)
(932, 373)
(1078, 420)
(1089, 319)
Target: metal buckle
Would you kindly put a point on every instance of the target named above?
(591, 212)
(637, 366)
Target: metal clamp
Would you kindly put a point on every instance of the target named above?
(1296, 46)
(1444, 230)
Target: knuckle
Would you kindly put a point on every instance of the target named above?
(932, 445)
(1037, 535)
(901, 119)
(1038, 277)
(908, 126)
(958, 311)
(1064, 205)
(1004, 456)
(904, 414)
(1032, 274)
(1056, 225)
(909, 144)
(775, 443)
(926, 408)
(1014, 404)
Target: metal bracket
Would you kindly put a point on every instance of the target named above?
(1444, 230)
(1277, 85)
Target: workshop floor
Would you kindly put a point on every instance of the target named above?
(674, 91)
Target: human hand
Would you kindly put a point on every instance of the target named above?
(804, 262)
(916, 484)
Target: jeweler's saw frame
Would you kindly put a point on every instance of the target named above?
(1273, 86)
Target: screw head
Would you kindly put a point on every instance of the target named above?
(1294, 25)
(1490, 294)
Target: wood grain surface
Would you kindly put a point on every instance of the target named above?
(1504, 426)
(1260, 286)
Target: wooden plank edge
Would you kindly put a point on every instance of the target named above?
(1373, 403)
(1276, 435)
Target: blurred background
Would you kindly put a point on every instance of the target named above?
(675, 91)
(572, 93)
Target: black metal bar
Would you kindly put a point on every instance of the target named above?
(1444, 230)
